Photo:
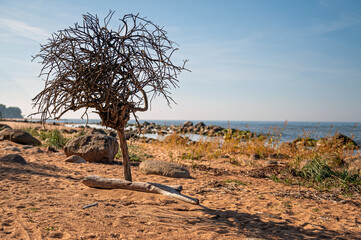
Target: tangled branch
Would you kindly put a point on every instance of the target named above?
(112, 71)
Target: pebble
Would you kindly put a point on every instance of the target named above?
(27, 147)
(271, 162)
(14, 149)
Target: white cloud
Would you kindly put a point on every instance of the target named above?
(22, 29)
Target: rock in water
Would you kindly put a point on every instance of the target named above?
(13, 158)
(188, 124)
(18, 136)
(93, 148)
(164, 168)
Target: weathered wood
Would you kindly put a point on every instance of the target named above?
(125, 154)
(113, 183)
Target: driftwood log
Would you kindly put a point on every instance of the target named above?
(113, 183)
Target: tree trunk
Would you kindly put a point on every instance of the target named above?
(112, 183)
(125, 154)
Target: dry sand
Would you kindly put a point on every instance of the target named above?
(45, 198)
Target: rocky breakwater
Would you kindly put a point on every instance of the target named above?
(202, 129)
(189, 127)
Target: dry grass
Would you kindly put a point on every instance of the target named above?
(323, 167)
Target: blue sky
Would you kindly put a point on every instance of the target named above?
(250, 59)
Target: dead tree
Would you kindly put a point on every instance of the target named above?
(115, 72)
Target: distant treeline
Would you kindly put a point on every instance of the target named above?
(10, 112)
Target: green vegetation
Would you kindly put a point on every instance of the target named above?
(52, 228)
(136, 154)
(52, 138)
(320, 174)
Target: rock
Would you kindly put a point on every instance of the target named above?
(199, 125)
(18, 136)
(13, 158)
(93, 148)
(255, 156)
(164, 168)
(304, 142)
(3, 126)
(51, 149)
(98, 131)
(338, 140)
(344, 140)
(113, 134)
(129, 135)
(188, 124)
(279, 156)
(35, 150)
(27, 147)
(271, 162)
(68, 131)
(146, 124)
(75, 159)
(14, 149)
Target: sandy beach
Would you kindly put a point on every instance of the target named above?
(44, 199)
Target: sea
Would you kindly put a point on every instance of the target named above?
(286, 131)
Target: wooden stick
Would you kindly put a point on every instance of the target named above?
(113, 183)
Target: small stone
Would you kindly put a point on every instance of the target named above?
(13, 158)
(56, 235)
(271, 162)
(75, 159)
(27, 147)
(35, 150)
(279, 156)
(51, 149)
(14, 149)
(255, 156)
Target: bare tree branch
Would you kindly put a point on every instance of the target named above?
(93, 67)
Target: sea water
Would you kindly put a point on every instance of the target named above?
(287, 131)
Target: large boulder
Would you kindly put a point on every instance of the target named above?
(338, 140)
(164, 168)
(18, 136)
(93, 148)
(188, 124)
(13, 158)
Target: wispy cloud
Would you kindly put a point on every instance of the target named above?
(343, 22)
(18, 28)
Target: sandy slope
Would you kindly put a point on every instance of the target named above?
(44, 199)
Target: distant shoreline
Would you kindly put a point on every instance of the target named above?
(288, 130)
